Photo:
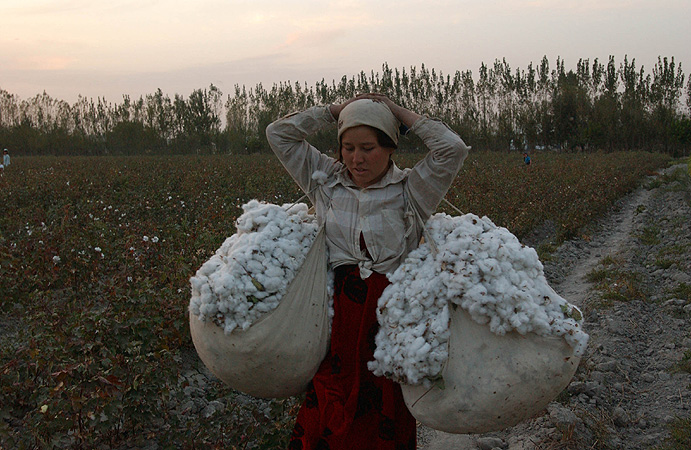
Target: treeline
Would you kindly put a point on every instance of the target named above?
(598, 106)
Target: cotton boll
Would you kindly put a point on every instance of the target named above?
(319, 176)
(439, 324)
(275, 271)
(210, 266)
(419, 329)
(208, 309)
(197, 282)
(423, 351)
(254, 266)
(195, 303)
(229, 326)
(263, 307)
(477, 292)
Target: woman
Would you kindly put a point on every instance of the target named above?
(373, 214)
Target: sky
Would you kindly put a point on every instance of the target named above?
(108, 49)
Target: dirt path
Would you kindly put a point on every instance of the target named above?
(613, 240)
(634, 381)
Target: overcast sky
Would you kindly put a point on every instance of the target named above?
(109, 48)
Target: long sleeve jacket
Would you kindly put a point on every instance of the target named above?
(389, 214)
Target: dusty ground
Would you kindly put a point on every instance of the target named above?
(634, 380)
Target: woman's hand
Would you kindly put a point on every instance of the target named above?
(336, 109)
(405, 116)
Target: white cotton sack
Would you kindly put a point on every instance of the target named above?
(247, 276)
(480, 267)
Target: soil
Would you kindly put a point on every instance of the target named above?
(630, 273)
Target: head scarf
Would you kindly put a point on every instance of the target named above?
(371, 113)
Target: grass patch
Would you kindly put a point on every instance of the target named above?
(682, 291)
(680, 435)
(608, 260)
(678, 175)
(617, 285)
(545, 251)
(615, 296)
(650, 235)
(600, 275)
(667, 256)
(600, 426)
(678, 221)
(685, 364)
(675, 250)
(678, 179)
(603, 271)
(664, 263)
(656, 183)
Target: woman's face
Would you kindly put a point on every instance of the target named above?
(366, 160)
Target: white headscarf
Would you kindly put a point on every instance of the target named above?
(371, 113)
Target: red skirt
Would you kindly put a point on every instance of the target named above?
(346, 406)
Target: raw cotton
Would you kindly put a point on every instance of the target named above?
(251, 271)
(479, 267)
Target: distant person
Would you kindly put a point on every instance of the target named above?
(526, 159)
(5, 158)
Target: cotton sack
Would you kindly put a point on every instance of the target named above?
(472, 331)
(491, 382)
(280, 353)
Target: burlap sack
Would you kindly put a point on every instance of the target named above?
(491, 382)
(280, 353)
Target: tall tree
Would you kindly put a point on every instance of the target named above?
(666, 90)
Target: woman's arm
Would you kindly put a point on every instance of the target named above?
(287, 138)
(431, 177)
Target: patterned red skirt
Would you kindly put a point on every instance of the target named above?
(346, 406)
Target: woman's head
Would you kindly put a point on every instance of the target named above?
(368, 112)
(366, 159)
(367, 136)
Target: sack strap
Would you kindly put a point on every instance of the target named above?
(427, 236)
(302, 198)
(306, 195)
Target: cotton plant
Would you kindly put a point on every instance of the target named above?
(248, 275)
(480, 267)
